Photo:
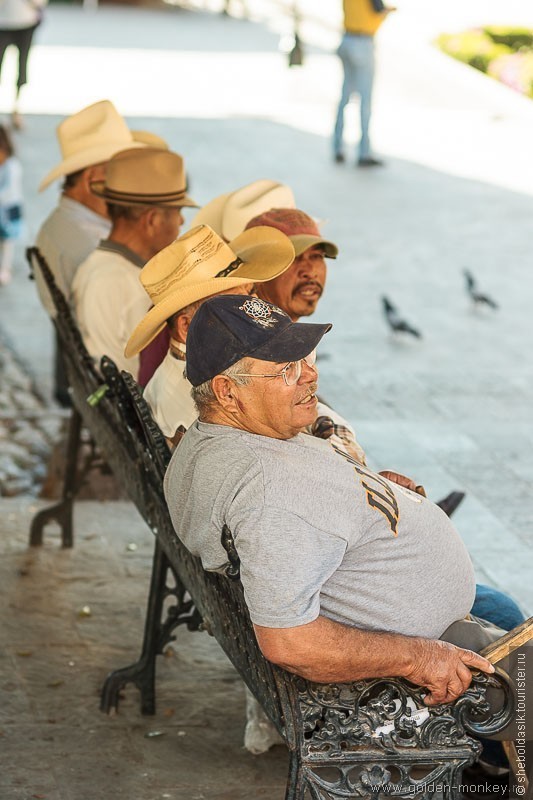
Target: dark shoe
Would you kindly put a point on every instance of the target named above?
(478, 784)
(339, 158)
(370, 161)
(450, 503)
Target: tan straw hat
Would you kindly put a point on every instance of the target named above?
(150, 139)
(144, 177)
(92, 136)
(301, 229)
(228, 213)
(200, 264)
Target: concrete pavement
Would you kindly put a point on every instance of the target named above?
(453, 410)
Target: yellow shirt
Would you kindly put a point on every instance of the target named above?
(360, 17)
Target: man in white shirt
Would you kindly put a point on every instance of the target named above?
(87, 140)
(144, 190)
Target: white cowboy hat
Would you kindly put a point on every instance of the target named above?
(200, 264)
(229, 213)
(92, 136)
(144, 177)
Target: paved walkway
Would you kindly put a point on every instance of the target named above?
(453, 410)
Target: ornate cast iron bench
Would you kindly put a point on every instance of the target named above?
(356, 740)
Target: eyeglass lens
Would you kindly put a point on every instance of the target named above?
(293, 371)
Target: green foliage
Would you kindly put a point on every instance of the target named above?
(515, 38)
(472, 47)
(503, 53)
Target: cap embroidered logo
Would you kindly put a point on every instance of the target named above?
(261, 312)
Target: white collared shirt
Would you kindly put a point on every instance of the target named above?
(168, 394)
(66, 238)
(109, 302)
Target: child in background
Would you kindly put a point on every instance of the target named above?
(10, 204)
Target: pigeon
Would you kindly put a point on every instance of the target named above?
(478, 298)
(396, 324)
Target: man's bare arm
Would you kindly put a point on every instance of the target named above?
(327, 652)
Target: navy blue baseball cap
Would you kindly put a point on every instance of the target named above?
(229, 327)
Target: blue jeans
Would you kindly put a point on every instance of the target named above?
(496, 607)
(357, 56)
(501, 610)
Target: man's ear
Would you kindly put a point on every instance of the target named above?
(225, 391)
(149, 219)
(180, 327)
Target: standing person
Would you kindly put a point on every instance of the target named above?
(19, 20)
(362, 19)
(10, 204)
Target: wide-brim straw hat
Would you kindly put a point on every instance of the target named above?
(229, 213)
(150, 139)
(92, 136)
(148, 176)
(200, 264)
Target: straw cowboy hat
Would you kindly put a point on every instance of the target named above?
(92, 136)
(228, 213)
(200, 264)
(150, 139)
(144, 177)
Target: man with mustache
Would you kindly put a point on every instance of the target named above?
(298, 290)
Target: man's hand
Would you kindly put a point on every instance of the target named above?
(403, 480)
(329, 652)
(444, 669)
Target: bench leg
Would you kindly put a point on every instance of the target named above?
(62, 512)
(295, 784)
(157, 634)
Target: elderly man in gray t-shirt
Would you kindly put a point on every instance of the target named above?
(346, 575)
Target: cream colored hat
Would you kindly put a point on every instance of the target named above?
(144, 177)
(229, 213)
(150, 139)
(200, 264)
(92, 136)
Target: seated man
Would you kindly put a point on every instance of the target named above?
(177, 283)
(282, 494)
(145, 191)
(87, 141)
(340, 577)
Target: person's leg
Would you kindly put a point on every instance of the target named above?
(347, 88)
(496, 607)
(364, 82)
(23, 40)
(7, 247)
(5, 41)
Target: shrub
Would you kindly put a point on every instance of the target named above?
(515, 71)
(515, 38)
(473, 47)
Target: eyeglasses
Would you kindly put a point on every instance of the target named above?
(290, 373)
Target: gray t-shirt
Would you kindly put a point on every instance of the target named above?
(317, 533)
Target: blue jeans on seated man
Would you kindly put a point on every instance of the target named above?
(357, 56)
(496, 607)
(501, 610)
